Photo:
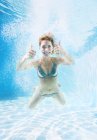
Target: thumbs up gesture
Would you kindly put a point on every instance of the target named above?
(31, 53)
(59, 50)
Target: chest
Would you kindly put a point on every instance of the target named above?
(47, 69)
(46, 66)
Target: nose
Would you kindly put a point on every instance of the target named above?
(46, 49)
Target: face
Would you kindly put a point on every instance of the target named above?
(46, 47)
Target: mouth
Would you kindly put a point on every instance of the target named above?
(46, 53)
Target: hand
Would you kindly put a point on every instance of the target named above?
(31, 53)
(58, 49)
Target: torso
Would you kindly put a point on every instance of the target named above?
(48, 83)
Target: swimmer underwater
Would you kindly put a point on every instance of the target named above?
(46, 68)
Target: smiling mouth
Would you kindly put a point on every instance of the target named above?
(46, 53)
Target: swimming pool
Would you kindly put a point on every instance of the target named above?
(75, 25)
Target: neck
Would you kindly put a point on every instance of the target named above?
(46, 56)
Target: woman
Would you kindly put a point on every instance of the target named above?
(46, 68)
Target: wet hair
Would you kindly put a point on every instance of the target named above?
(49, 37)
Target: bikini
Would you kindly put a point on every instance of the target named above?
(53, 72)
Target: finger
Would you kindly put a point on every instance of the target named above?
(32, 53)
(57, 51)
(57, 48)
(55, 44)
(59, 43)
(31, 47)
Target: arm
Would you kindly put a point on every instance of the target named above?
(24, 63)
(27, 61)
(66, 59)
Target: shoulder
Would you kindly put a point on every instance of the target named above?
(53, 59)
(57, 60)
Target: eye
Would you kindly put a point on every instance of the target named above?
(43, 46)
(49, 46)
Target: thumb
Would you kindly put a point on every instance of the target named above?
(31, 47)
(59, 43)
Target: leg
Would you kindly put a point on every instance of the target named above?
(60, 98)
(35, 98)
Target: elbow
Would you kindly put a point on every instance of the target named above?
(18, 68)
(71, 62)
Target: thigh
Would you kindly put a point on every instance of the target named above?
(60, 97)
(37, 92)
(36, 97)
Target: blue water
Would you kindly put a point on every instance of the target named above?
(75, 25)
